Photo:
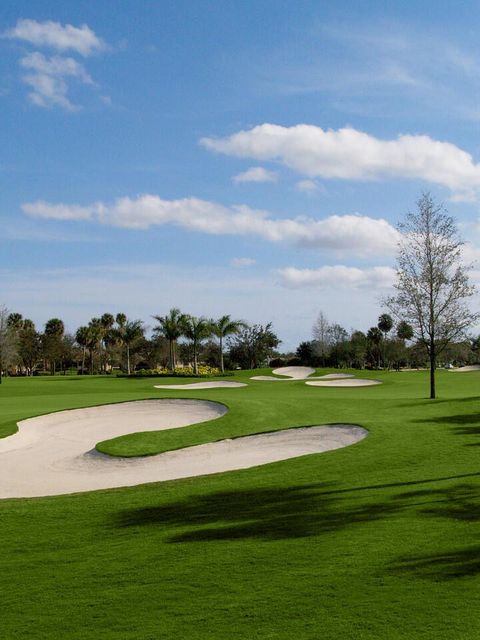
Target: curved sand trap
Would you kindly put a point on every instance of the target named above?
(202, 385)
(54, 454)
(288, 373)
(471, 367)
(350, 382)
(328, 376)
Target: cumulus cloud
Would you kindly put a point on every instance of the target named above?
(337, 276)
(46, 77)
(256, 174)
(81, 39)
(307, 186)
(242, 262)
(350, 154)
(359, 234)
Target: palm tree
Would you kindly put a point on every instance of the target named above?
(107, 321)
(385, 324)
(133, 331)
(196, 330)
(224, 327)
(95, 333)
(171, 327)
(81, 336)
(52, 343)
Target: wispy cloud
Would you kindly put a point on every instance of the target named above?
(240, 263)
(307, 186)
(361, 235)
(337, 276)
(51, 34)
(256, 174)
(48, 76)
(350, 154)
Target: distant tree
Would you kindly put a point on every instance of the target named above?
(432, 285)
(385, 324)
(358, 349)
(171, 328)
(52, 342)
(7, 342)
(322, 335)
(82, 338)
(15, 321)
(131, 333)
(196, 330)
(29, 345)
(222, 328)
(253, 346)
(375, 337)
(305, 353)
(95, 334)
(404, 331)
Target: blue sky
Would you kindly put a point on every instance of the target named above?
(250, 158)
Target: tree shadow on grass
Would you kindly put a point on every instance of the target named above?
(460, 503)
(264, 514)
(298, 511)
(448, 565)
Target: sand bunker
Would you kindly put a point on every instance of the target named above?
(300, 373)
(202, 385)
(471, 367)
(54, 454)
(288, 373)
(350, 382)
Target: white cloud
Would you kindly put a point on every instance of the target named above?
(337, 276)
(353, 233)
(41, 209)
(242, 262)
(53, 34)
(46, 76)
(354, 155)
(307, 186)
(77, 294)
(256, 174)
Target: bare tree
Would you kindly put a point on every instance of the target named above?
(322, 334)
(432, 285)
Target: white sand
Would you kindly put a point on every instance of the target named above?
(350, 382)
(471, 367)
(299, 373)
(202, 385)
(54, 454)
(294, 372)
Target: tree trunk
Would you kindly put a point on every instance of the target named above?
(83, 360)
(221, 355)
(433, 363)
(195, 359)
(128, 359)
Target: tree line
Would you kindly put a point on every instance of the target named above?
(109, 341)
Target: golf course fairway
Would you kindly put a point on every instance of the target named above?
(376, 541)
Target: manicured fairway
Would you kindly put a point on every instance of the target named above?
(380, 540)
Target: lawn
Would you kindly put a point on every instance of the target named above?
(380, 540)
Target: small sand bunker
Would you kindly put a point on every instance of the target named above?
(334, 376)
(300, 373)
(471, 367)
(54, 454)
(288, 373)
(349, 382)
(202, 385)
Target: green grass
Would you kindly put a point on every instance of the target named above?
(378, 541)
